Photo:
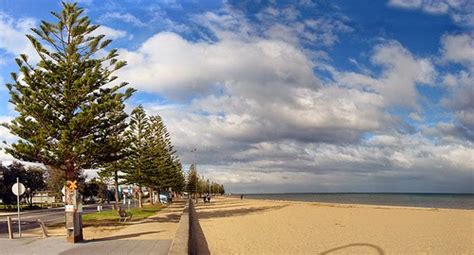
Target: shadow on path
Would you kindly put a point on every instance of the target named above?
(110, 238)
(375, 247)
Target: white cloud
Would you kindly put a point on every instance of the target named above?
(5, 136)
(406, 3)
(13, 36)
(4, 133)
(87, 2)
(415, 116)
(109, 32)
(123, 17)
(401, 72)
(461, 11)
(459, 48)
(276, 24)
(169, 64)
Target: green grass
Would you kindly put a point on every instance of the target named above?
(111, 217)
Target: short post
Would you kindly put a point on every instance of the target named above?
(9, 226)
(43, 228)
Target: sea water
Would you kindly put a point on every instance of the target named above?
(429, 200)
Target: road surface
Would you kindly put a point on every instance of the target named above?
(48, 216)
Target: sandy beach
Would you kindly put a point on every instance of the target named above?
(234, 226)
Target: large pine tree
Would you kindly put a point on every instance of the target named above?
(68, 110)
(138, 159)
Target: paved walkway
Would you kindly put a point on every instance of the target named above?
(151, 236)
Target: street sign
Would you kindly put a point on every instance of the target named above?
(72, 185)
(18, 187)
(69, 208)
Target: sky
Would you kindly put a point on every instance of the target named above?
(292, 96)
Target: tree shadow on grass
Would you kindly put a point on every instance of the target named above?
(236, 212)
(110, 238)
(377, 249)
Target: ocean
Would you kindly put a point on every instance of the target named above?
(429, 200)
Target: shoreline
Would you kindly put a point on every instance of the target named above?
(350, 205)
(402, 200)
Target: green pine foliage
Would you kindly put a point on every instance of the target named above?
(68, 109)
(152, 161)
(193, 180)
(137, 160)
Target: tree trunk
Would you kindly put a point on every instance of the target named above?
(116, 190)
(150, 192)
(159, 199)
(140, 203)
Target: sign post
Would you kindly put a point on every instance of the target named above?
(73, 210)
(18, 189)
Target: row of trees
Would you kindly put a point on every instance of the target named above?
(198, 185)
(149, 160)
(71, 110)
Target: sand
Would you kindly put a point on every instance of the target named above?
(234, 226)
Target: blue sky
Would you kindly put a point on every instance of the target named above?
(293, 96)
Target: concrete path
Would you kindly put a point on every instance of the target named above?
(57, 245)
(150, 236)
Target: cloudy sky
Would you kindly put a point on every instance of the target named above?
(288, 96)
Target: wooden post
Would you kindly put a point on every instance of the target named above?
(43, 228)
(73, 216)
(9, 226)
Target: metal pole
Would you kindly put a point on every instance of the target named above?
(18, 204)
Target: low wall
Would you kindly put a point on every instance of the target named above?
(189, 238)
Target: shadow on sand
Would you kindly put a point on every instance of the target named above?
(375, 247)
(235, 212)
(216, 206)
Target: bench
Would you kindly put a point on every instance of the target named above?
(124, 216)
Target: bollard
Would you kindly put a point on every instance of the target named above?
(9, 226)
(43, 228)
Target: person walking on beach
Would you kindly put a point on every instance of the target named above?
(241, 196)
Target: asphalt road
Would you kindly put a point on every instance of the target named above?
(48, 216)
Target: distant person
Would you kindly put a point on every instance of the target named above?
(241, 196)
